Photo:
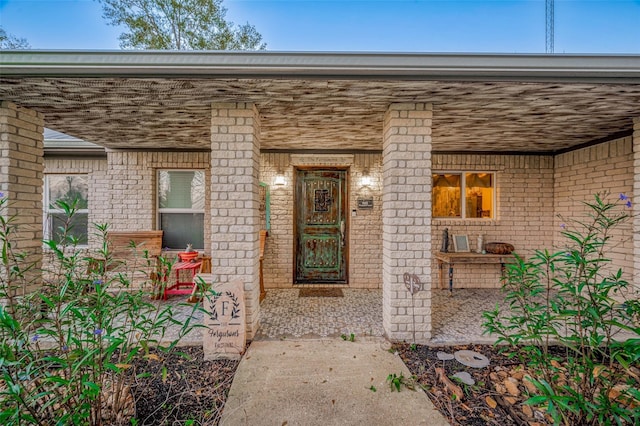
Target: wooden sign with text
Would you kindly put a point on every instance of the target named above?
(225, 320)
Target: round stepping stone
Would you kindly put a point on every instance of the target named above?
(471, 359)
(465, 378)
(443, 356)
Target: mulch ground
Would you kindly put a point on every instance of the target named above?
(182, 388)
(495, 398)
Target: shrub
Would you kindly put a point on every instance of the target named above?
(574, 299)
(66, 351)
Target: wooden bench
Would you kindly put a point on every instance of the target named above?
(121, 244)
(133, 249)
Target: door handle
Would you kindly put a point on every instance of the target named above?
(342, 229)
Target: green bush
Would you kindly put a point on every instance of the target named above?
(573, 300)
(67, 350)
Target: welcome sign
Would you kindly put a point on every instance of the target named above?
(225, 334)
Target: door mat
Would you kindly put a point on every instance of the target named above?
(320, 292)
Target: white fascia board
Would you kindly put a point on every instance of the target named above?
(212, 64)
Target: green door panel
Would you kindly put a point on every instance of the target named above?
(321, 226)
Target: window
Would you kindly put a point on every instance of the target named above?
(67, 188)
(479, 195)
(181, 208)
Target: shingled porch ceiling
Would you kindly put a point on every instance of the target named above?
(333, 112)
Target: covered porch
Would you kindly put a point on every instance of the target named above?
(552, 129)
(284, 315)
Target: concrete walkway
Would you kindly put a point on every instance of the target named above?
(323, 382)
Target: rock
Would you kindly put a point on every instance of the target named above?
(471, 359)
(531, 388)
(617, 390)
(634, 372)
(518, 374)
(561, 380)
(527, 411)
(443, 356)
(537, 414)
(491, 402)
(465, 378)
(556, 364)
(511, 386)
(511, 400)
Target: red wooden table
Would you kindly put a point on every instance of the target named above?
(183, 287)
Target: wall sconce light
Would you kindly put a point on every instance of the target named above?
(366, 180)
(280, 180)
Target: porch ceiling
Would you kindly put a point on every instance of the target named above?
(317, 112)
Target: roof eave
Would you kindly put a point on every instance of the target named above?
(359, 65)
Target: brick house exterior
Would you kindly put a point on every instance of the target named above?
(244, 143)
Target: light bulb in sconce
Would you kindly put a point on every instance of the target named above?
(280, 180)
(366, 180)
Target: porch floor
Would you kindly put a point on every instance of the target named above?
(457, 318)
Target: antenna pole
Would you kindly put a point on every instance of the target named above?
(549, 36)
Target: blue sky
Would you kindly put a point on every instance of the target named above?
(581, 26)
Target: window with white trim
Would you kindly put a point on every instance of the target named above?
(67, 189)
(181, 195)
(479, 197)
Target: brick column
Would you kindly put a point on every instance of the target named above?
(235, 220)
(636, 205)
(21, 181)
(406, 220)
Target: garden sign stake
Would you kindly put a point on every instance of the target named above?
(412, 282)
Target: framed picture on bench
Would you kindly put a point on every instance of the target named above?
(460, 243)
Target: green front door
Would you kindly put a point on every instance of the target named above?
(321, 243)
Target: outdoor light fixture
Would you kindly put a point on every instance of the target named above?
(366, 180)
(280, 180)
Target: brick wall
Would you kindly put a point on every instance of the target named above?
(365, 269)
(524, 217)
(526, 206)
(130, 182)
(21, 167)
(579, 175)
(98, 193)
(364, 229)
